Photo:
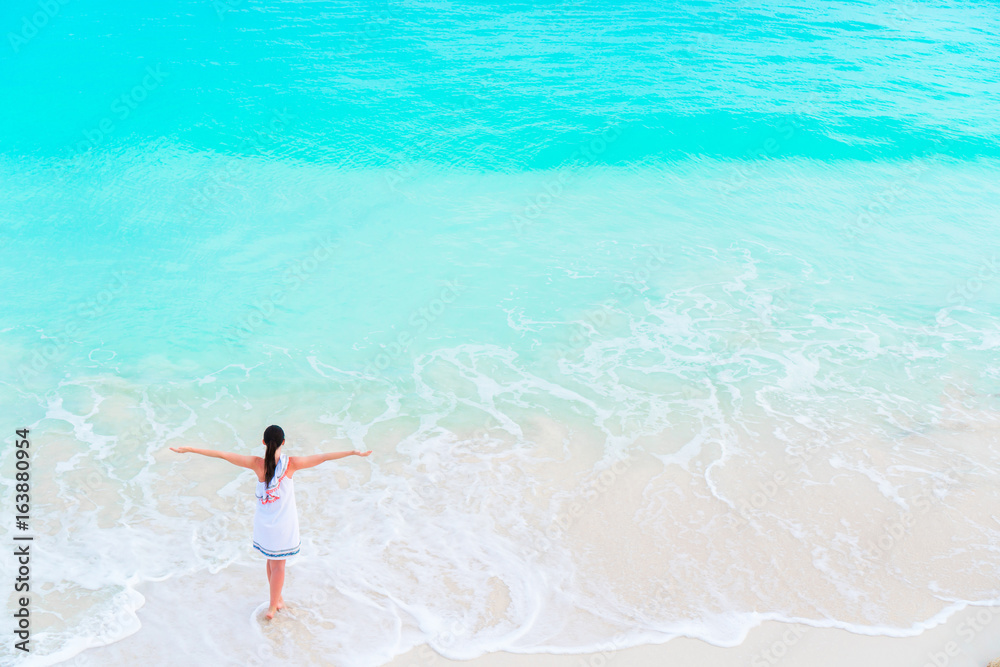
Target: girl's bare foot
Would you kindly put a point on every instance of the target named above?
(270, 613)
(281, 604)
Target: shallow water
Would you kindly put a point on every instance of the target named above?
(660, 321)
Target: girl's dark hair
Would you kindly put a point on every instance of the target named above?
(273, 437)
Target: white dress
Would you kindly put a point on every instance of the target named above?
(276, 522)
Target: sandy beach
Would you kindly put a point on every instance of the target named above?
(969, 637)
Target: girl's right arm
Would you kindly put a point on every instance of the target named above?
(242, 460)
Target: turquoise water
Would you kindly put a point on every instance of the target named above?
(699, 233)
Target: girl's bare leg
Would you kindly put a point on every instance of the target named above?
(281, 600)
(276, 581)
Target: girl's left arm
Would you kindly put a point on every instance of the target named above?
(242, 460)
(301, 462)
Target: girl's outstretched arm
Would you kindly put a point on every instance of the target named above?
(301, 462)
(242, 460)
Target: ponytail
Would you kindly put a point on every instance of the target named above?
(273, 437)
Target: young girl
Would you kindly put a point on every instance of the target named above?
(275, 523)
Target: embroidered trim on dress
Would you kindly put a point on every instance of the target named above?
(279, 554)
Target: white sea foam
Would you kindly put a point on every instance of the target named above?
(463, 533)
